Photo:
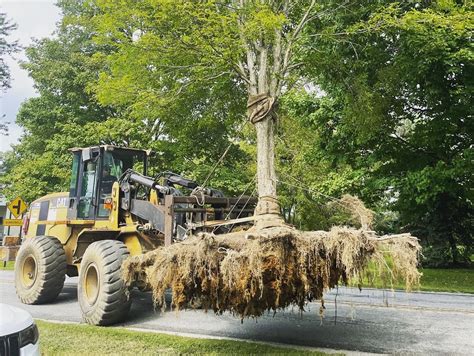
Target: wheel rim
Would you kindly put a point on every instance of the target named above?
(91, 284)
(29, 271)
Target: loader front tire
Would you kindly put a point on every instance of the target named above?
(102, 293)
(40, 270)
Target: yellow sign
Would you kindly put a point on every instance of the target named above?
(12, 222)
(17, 207)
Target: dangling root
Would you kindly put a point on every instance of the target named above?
(250, 273)
(356, 208)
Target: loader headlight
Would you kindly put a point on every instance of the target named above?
(29, 336)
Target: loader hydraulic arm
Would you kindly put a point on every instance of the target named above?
(131, 176)
(173, 179)
(153, 216)
(130, 183)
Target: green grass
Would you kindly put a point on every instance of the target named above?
(74, 339)
(459, 280)
(448, 280)
(8, 267)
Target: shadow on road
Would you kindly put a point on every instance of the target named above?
(142, 309)
(69, 293)
(356, 329)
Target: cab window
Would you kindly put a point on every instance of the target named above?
(115, 163)
(76, 160)
(86, 198)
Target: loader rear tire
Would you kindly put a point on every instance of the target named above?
(102, 293)
(40, 270)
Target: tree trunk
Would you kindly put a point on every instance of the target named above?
(268, 208)
(266, 158)
(453, 248)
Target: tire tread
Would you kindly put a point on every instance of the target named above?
(51, 270)
(113, 302)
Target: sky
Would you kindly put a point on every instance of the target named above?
(35, 19)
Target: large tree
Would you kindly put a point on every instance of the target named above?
(228, 54)
(399, 91)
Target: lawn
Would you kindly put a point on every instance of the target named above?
(74, 339)
(448, 280)
(460, 280)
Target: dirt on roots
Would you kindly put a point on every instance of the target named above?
(249, 273)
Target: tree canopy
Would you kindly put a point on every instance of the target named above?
(402, 106)
(6, 48)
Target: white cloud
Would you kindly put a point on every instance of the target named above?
(35, 19)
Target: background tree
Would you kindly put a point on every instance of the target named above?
(6, 48)
(55, 120)
(67, 114)
(399, 86)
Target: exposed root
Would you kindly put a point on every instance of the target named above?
(358, 211)
(270, 269)
(395, 258)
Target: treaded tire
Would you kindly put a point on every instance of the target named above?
(102, 293)
(40, 270)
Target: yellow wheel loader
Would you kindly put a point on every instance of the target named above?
(113, 210)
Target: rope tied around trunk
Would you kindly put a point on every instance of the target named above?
(267, 213)
(267, 205)
(259, 107)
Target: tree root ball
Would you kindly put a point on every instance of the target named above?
(249, 273)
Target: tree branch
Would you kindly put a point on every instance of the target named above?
(239, 68)
(294, 36)
(276, 64)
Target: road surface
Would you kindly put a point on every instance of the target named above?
(368, 321)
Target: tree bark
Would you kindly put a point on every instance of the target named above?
(268, 208)
(266, 158)
(454, 250)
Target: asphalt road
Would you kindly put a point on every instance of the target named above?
(368, 321)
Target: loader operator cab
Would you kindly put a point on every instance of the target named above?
(94, 171)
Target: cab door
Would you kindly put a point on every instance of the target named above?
(74, 185)
(84, 182)
(87, 196)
